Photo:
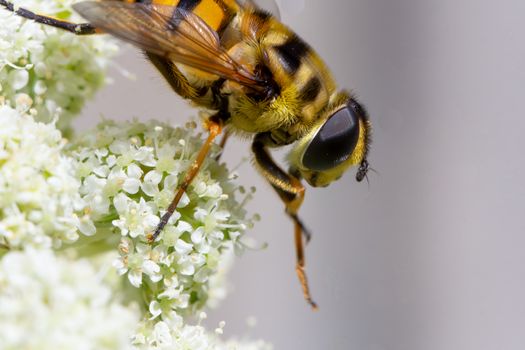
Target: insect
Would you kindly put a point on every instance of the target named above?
(256, 76)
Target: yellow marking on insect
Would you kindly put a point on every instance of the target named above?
(211, 13)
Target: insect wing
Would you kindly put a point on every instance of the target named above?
(169, 32)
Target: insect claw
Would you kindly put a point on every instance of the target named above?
(163, 221)
(299, 269)
(307, 234)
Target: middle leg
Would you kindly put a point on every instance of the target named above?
(291, 192)
(214, 126)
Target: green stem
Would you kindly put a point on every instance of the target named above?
(4, 249)
(104, 240)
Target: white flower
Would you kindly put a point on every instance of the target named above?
(39, 200)
(36, 59)
(135, 219)
(130, 172)
(175, 334)
(136, 261)
(51, 302)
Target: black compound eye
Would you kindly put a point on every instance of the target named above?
(334, 142)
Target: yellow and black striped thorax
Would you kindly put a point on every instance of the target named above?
(295, 66)
(217, 14)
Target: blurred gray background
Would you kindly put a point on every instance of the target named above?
(431, 255)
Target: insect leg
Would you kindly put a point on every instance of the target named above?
(222, 144)
(75, 28)
(214, 127)
(173, 76)
(291, 192)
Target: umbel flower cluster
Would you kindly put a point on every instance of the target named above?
(46, 71)
(129, 172)
(76, 268)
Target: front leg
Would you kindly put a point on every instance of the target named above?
(291, 192)
(75, 28)
(214, 125)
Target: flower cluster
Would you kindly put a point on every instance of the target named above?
(76, 267)
(51, 302)
(106, 176)
(39, 198)
(129, 173)
(48, 71)
(176, 334)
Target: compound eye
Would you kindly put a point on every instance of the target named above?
(334, 142)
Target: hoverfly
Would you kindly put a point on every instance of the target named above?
(255, 75)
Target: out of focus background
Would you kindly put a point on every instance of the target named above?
(431, 254)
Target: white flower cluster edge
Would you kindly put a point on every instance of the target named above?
(69, 211)
(40, 204)
(46, 71)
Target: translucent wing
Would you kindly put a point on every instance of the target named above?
(169, 32)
